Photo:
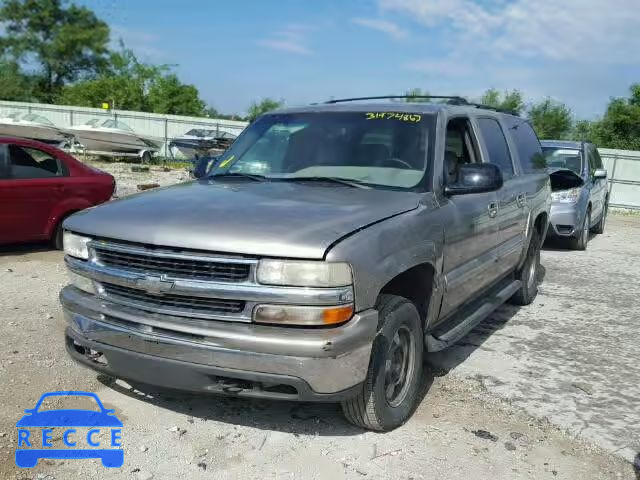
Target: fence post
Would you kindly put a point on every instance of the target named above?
(166, 138)
(612, 178)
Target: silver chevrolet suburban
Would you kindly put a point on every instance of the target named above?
(326, 251)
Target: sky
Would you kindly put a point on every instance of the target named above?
(581, 52)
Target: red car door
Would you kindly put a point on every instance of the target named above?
(29, 191)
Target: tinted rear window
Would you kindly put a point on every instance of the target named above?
(527, 145)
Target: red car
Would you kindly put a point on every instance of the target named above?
(40, 186)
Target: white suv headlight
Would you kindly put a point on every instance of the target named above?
(566, 196)
(76, 245)
(304, 274)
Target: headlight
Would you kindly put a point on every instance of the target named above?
(566, 196)
(303, 316)
(83, 283)
(75, 245)
(304, 274)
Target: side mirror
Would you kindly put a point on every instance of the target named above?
(204, 165)
(599, 173)
(476, 178)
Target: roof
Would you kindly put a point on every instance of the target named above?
(410, 107)
(562, 144)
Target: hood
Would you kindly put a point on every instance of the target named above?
(564, 179)
(277, 219)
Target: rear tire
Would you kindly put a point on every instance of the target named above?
(528, 274)
(145, 158)
(390, 392)
(580, 242)
(599, 228)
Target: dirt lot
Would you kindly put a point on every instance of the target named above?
(551, 390)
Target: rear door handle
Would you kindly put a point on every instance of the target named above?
(493, 209)
(521, 199)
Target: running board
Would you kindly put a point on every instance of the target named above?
(443, 336)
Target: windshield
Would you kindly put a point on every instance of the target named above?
(32, 117)
(198, 132)
(116, 124)
(386, 149)
(570, 159)
(228, 135)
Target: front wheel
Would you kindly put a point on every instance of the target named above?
(579, 242)
(599, 228)
(390, 391)
(528, 273)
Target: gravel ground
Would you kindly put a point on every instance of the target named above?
(545, 391)
(127, 181)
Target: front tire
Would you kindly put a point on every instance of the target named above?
(390, 391)
(528, 274)
(599, 228)
(580, 242)
(56, 240)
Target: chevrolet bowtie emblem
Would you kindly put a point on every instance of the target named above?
(155, 285)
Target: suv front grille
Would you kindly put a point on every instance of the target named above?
(172, 304)
(172, 266)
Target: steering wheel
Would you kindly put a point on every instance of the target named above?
(395, 161)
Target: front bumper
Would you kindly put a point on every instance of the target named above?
(251, 360)
(564, 220)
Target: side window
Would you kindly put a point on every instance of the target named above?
(459, 149)
(592, 159)
(527, 144)
(597, 157)
(28, 163)
(496, 144)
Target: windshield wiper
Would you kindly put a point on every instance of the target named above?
(250, 176)
(342, 181)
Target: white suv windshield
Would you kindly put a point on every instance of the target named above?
(376, 148)
(568, 158)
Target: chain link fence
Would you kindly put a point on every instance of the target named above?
(165, 127)
(623, 169)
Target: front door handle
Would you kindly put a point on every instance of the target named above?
(493, 209)
(521, 200)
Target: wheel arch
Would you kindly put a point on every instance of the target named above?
(415, 284)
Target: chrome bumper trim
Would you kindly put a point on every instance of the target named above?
(329, 360)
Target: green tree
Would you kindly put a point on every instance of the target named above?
(584, 131)
(263, 106)
(510, 100)
(14, 85)
(129, 84)
(551, 119)
(413, 95)
(64, 42)
(125, 83)
(620, 125)
(168, 95)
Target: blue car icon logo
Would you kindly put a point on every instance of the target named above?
(36, 427)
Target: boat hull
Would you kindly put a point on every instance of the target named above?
(41, 133)
(104, 140)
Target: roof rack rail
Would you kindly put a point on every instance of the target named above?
(451, 100)
(495, 109)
